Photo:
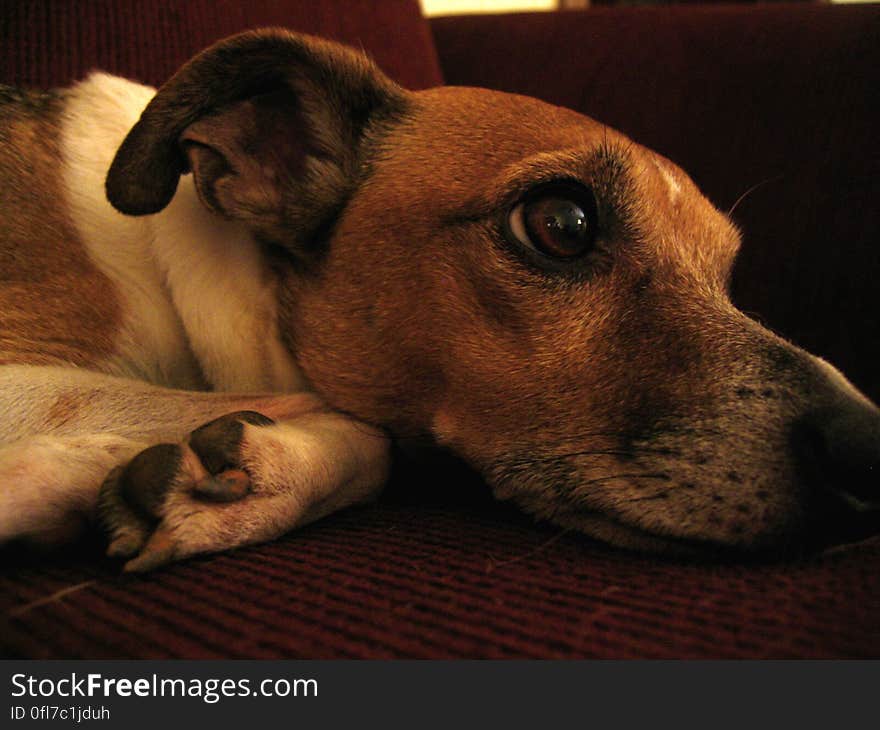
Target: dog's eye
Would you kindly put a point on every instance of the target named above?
(556, 219)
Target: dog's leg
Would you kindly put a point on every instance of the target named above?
(263, 465)
(48, 484)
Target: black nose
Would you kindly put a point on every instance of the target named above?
(838, 455)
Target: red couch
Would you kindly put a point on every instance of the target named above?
(784, 96)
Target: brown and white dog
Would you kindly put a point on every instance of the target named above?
(350, 262)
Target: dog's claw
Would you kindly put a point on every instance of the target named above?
(125, 546)
(159, 550)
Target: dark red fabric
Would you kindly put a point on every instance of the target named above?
(47, 43)
(430, 581)
(783, 97)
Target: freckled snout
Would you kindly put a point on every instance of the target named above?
(838, 456)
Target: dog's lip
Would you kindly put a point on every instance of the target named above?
(628, 536)
(608, 529)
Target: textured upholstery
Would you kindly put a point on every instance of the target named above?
(52, 42)
(437, 581)
(436, 569)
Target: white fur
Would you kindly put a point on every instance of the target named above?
(62, 401)
(198, 302)
(152, 345)
(673, 186)
(224, 295)
(50, 483)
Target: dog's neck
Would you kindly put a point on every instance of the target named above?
(224, 294)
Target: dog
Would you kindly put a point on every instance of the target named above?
(222, 302)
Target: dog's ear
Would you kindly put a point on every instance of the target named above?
(270, 122)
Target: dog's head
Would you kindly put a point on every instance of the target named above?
(521, 283)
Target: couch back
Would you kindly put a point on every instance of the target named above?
(45, 43)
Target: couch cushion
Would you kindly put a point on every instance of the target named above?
(46, 43)
(438, 580)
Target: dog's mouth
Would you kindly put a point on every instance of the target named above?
(657, 512)
(609, 530)
(831, 538)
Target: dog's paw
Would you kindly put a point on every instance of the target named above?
(174, 500)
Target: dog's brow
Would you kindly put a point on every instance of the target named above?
(603, 167)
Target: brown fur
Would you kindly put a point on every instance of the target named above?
(58, 308)
(454, 310)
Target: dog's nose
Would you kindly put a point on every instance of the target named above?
(838, 453)
(851, 446)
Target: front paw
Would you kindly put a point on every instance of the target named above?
(168, 501)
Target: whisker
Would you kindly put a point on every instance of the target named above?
(572, 498)
(494, 565)
(612, 477)
(752, 189)
(661, 494)
(630, 454)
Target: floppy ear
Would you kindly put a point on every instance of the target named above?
(270, 122)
